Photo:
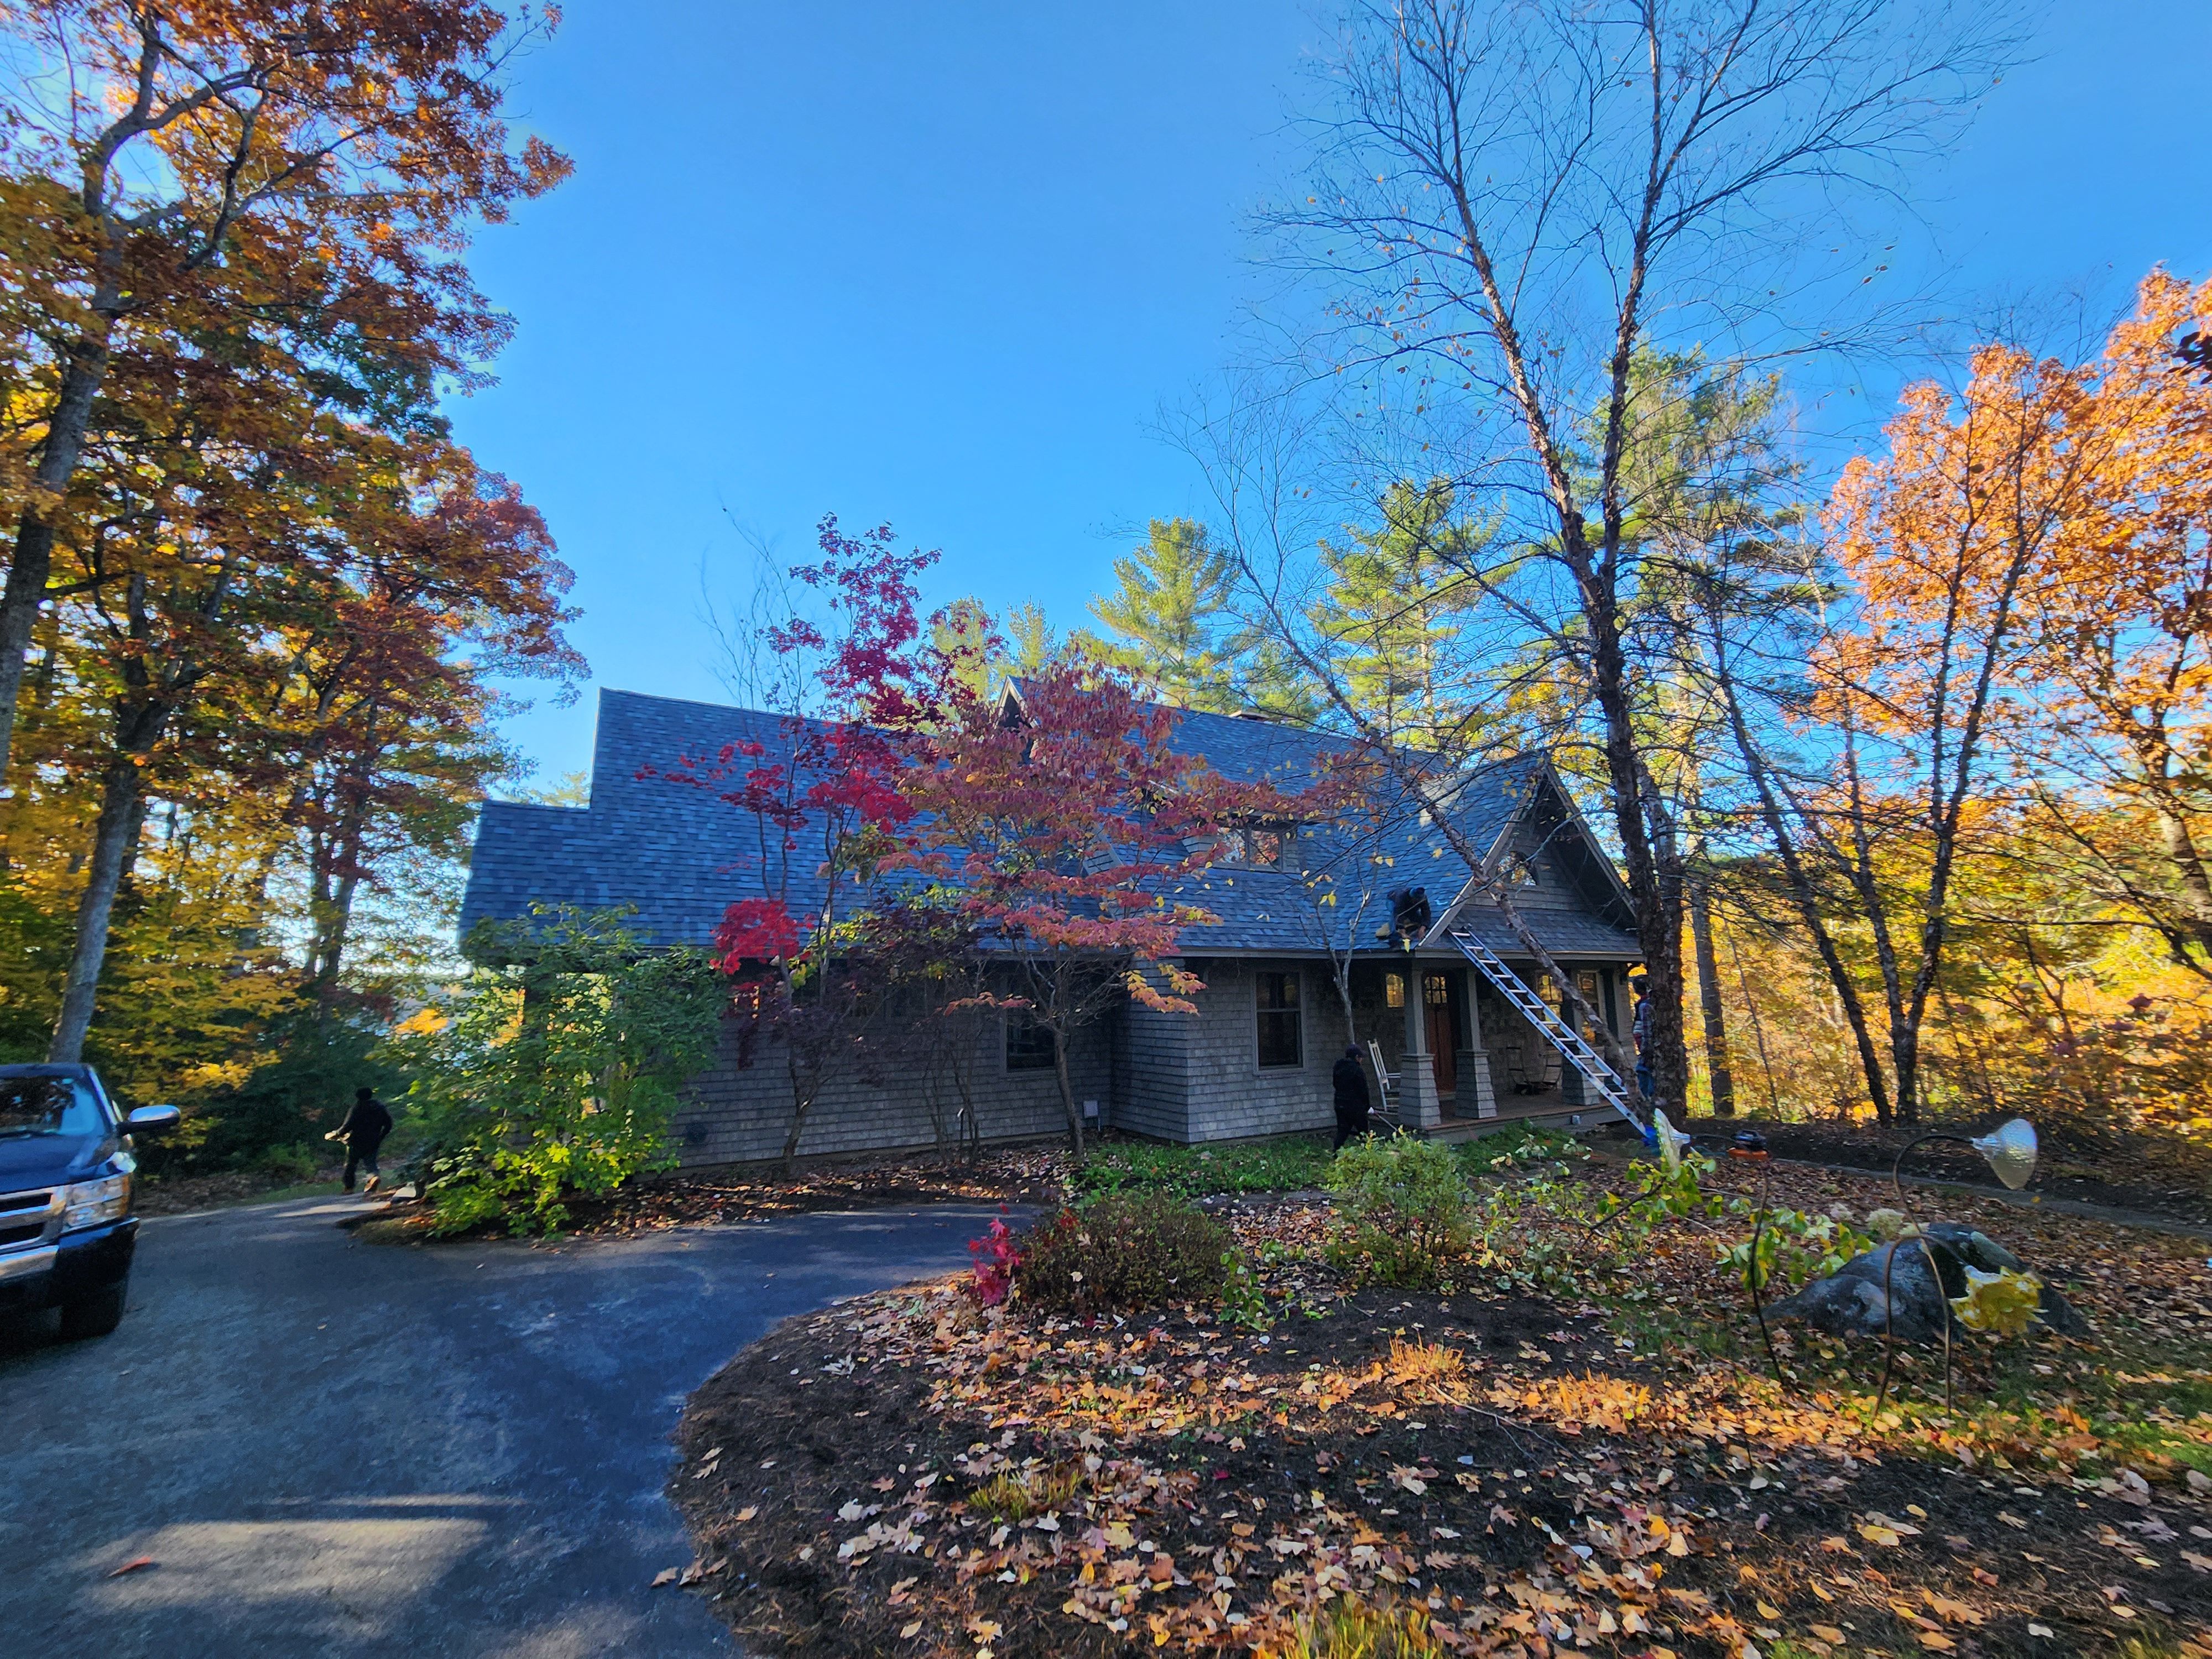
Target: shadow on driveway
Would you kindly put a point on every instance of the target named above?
(330, 1447)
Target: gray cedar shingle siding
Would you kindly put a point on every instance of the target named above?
(680, 857)
(1234, 1097)
(741, 1114)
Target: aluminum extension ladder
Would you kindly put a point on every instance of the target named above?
(1389, 1109)
(1556, 1031)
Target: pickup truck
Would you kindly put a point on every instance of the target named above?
(66, 1229)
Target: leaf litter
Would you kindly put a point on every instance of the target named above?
(1532, 1474)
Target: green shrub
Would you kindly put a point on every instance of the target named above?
(557, 1073)
(1265, 1166)
(1124, 1253)
(1404, 1209)
(293, 1163)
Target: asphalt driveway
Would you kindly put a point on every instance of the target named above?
(333, 1448)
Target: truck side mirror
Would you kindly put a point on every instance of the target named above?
(152, 1120)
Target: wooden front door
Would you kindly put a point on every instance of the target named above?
(1436, 993)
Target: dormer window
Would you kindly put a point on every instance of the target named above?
(1260, 846)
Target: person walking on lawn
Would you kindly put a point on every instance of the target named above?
(363, 1131)
(1350, 1079)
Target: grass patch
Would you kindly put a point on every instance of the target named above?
(1521, 1148)
(1350, 1629)
(1293, 1165)
(1018, 1494)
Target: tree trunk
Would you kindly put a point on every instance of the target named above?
(1655, 875)
(119, 815)
(25, 593)
(1067, 1095)
(1709, 1001)
(2188, 863)
(802, 1103)
(1802, 893)
(331, 950)
(1340, 973)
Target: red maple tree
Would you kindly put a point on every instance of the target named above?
(825, 803)
(1061, 826)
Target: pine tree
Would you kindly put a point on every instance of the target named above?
(1396, 599)
(1170, 618)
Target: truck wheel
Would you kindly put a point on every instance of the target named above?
(95, 1314)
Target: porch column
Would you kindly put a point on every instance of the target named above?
(1471, 1063)
(1424, 1108)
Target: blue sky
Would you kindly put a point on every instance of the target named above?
(942, 265)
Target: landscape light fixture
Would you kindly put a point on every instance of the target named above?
(2009, 1151)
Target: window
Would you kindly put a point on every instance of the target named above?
(1586, 982)
(1262, 846)
(49, 1106)
(1029, 1045)
(1279, 1037)
(1394, 990)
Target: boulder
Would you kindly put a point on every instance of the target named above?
(1918, 1305)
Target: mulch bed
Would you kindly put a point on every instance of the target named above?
(1533, 1478)
(1016, 1176)
(999, 1174)
(2148, 1177)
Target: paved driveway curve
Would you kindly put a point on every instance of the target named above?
(332, 1448)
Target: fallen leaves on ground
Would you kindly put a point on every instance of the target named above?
(1529, 1474)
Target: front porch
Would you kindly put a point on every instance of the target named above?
(1464, 1061)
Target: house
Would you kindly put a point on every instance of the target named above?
(1304, 916)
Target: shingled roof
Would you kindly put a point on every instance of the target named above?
(680, 856)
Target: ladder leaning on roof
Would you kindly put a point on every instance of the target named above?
(1556, 1031)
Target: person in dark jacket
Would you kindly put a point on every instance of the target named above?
(1350, 1079)
(363, 1131)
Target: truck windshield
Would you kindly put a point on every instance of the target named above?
(49, 1106)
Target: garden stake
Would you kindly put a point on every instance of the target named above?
(1752, 1276)
(1889, 1266)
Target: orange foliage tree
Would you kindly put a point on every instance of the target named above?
(2002, 735)
(171, 171)
(1938, 539)
(2114, 698)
